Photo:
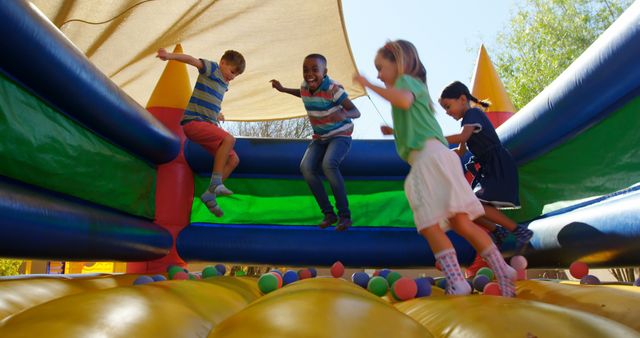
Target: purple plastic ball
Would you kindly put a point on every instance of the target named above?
(360, 278)
(158, 278)
(424, 286)
(313, 271)
(479, 282)
(637, 282)
(143, 280)
(221, 269)
(590, 280)
(430, 280)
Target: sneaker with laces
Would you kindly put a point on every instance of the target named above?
(328, 220)
(477, 264)
(344, 223)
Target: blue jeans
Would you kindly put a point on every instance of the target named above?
(326, 155)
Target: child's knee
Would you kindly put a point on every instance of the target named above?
(229, 139)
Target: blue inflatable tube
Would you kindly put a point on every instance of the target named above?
(280, 158)
(39, 57)
(38, 224)
(604, 77)
(306, 245)
(602, 233)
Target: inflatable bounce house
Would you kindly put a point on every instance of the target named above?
(89, 174)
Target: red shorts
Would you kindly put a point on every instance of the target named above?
(206, 134)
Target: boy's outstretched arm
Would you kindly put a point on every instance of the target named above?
(184, 58)
(277, 86)
(351, 111)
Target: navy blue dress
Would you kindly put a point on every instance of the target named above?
(496, 182)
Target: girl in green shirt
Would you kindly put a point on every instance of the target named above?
(440, 197)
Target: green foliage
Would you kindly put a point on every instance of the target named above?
(545, 37)
(9, 267)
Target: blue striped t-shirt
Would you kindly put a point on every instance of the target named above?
(206, 99)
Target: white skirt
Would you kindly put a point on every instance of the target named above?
(436, 187)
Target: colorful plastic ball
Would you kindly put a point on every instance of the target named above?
(221, 269)
(376, 273)
(337, 269)
(209, 272)
(158, 278)
(492, 289)
(590, 280)
(268, 283)
(277, 271)
(480, 281)
(441, 282)
(637, 282)
(180, 275)
(383, 273)
(141, 280)
(423, 285)
(278, 277)
(360, 278)
(404, 289)
(289, 277)
(314, 272)
(518, 262)
(192, 276)
(240, 273)
(173, 269)
(578, 269)
(521, 274)
(430, 280)
(304, 274)
(392, 277)
(378, 286)
(485, 271)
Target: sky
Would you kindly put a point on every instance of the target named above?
(447, 34)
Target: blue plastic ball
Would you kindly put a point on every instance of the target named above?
(384, 272)
(360, 278)
(143, 280)
(289, 277)
(158, 278)
(430, 280)
(637, 282)
(221, 269)
(424, 286)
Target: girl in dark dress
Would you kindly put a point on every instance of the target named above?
(496, 181)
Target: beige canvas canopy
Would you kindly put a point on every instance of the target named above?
(121, 38)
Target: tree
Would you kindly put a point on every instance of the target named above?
(292, 128)
(545, 37)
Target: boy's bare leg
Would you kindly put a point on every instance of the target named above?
(231, 165)
(219, 164)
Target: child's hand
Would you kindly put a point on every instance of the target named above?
(276, 85)
(162, 54)
(357, 78)
(386, 130)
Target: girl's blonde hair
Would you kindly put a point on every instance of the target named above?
(405, 55)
